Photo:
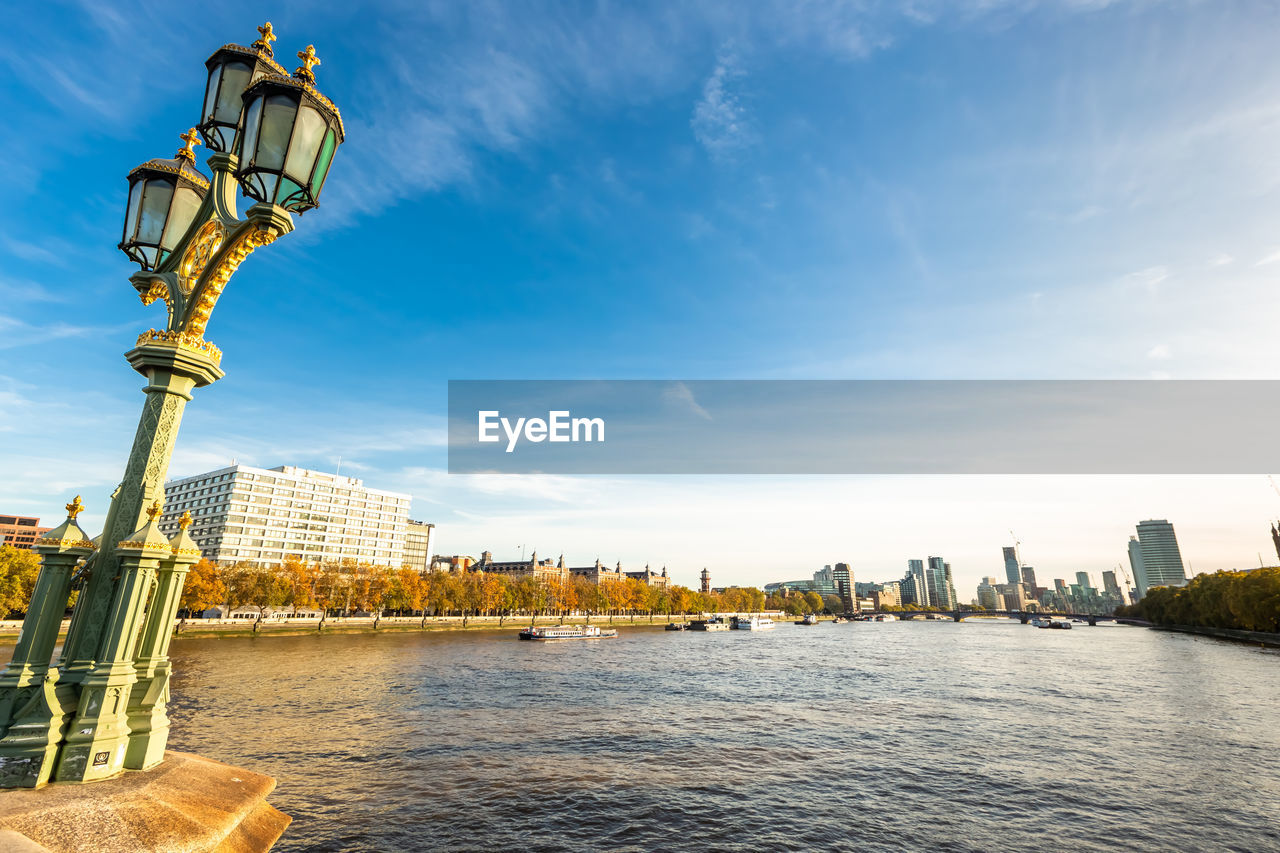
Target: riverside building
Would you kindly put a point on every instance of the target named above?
(418, 539)
(1155, 556)
(266, 516)
(20, 531)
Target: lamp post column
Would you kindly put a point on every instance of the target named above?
(147, 713)
(33, 711)
(173, 370)
(95, 743)
(101, 655)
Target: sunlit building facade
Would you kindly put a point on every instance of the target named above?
(268, 515)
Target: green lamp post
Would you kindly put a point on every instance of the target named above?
(101, 709)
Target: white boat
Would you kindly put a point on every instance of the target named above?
(754, 623)
(568, 632)
(886, 617)
(809, 619)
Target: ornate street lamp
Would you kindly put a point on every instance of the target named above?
(101, 710)
(164, 196)
(289, 133)
(231, 69)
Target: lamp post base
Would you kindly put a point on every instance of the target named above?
(188, 803)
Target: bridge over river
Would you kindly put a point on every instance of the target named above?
(1023, 615)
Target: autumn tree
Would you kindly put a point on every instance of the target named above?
(19, 568)
(204, 587)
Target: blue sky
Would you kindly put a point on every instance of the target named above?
(687, 190)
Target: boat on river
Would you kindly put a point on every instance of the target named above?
(754, 623)
(677, 626)
(886, 617)
(568, 632)
(809, 619)
(839, 620)
(715, 623)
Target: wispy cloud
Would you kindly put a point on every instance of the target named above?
(1147, 280)
(720, 121)
(679, 394)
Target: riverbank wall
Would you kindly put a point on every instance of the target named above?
(209, 628)
(1260, 638)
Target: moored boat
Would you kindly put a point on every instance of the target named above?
(886, 617)
(713, 624)
(568, 632)
(839, 620)
(809, 619)
(677, 626)
(754, 623)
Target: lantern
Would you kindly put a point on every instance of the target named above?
(231, 69)
(288, 134)
(164, 196)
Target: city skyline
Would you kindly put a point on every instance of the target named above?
(1009, 190)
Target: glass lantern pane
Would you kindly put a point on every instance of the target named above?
(235, 76)
(269, 182)
(226, 137)
(322, 164)
(277, 125)
(252, 119)
(307, 133)
(131, 216)
(155, 209)
(148, 256)
(290, 194)
(185, 204)
(211, 93)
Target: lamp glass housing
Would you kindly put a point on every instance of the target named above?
(232, 69)
(164, 197)
(287, 140)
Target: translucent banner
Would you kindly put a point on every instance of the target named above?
(864, 427)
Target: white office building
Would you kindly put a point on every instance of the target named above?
(266, 515)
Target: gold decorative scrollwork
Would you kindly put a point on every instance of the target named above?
(203, 247)
(184, 340)
(216, 280)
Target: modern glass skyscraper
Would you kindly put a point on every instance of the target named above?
(941, 589)
(1158, 561)
(1012, 572)
(915, 587)
(1082, 578)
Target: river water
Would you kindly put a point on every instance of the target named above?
(985, 735)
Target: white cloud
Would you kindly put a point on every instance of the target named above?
(720, 121)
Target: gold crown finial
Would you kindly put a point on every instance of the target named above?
(185, 521)
(153, 511)
(74, 508)
(188, 150)
(265, 38)
(309, 59)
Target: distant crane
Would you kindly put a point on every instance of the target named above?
(1017, 555)
(1128, 583)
